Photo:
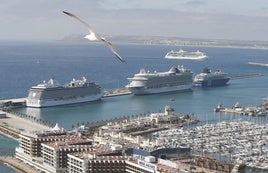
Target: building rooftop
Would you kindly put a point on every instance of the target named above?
(99, 154)
(44, 134)
(70, 142)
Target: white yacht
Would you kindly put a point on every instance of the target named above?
(51, 93)
(181, 54)
(176, 79)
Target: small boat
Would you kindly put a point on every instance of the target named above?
(172, 99)
(218, 108)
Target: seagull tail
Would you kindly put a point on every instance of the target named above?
(70, 14)
(67, 13)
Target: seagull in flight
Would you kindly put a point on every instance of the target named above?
(92, 36)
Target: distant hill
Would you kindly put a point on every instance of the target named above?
(176, 41)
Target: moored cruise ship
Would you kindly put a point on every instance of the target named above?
(181, 54)
(51, 93)
(176, 79)
(209, 79)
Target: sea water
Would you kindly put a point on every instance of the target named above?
(26, 64)
(7, 148)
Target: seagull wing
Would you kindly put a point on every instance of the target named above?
(92, 36)
(83, 22)
(110, 46)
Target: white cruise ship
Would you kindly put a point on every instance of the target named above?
(176, 79)
(51, 93)
(181, 54)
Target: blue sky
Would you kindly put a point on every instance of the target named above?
(209, 19)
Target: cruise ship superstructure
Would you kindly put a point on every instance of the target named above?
(181, 54)
(176, 79)
(208, 79)
(51, 93)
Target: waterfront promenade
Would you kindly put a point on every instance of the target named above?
(12, 125)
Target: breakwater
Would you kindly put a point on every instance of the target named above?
(246, 76)
(258, 64)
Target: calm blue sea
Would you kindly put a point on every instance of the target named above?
(25, 64)
(7, 147)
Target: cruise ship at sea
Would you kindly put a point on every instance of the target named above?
(51, 93)
(208, 79)
(176, 79)
(181, 54)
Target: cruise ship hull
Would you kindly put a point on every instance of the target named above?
(51, 93)
(181, 54)
(186, 57)
(49, 103)
(211, 83)
(144, 90)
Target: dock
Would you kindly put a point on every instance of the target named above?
(116, 92)
(237, 109)
(16, 102)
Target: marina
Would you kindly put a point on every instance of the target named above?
(236, 142)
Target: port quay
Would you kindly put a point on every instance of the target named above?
(155, 143)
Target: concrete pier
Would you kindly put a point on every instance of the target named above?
(116, 92)
(246, 76)
(16, 102)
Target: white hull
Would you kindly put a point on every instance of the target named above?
(49, 103)
(185, 57)
(143, 91)
(258, 64)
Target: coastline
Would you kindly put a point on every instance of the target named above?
(178, 41)
(11, 126)
(15, 164)
(9, 133)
